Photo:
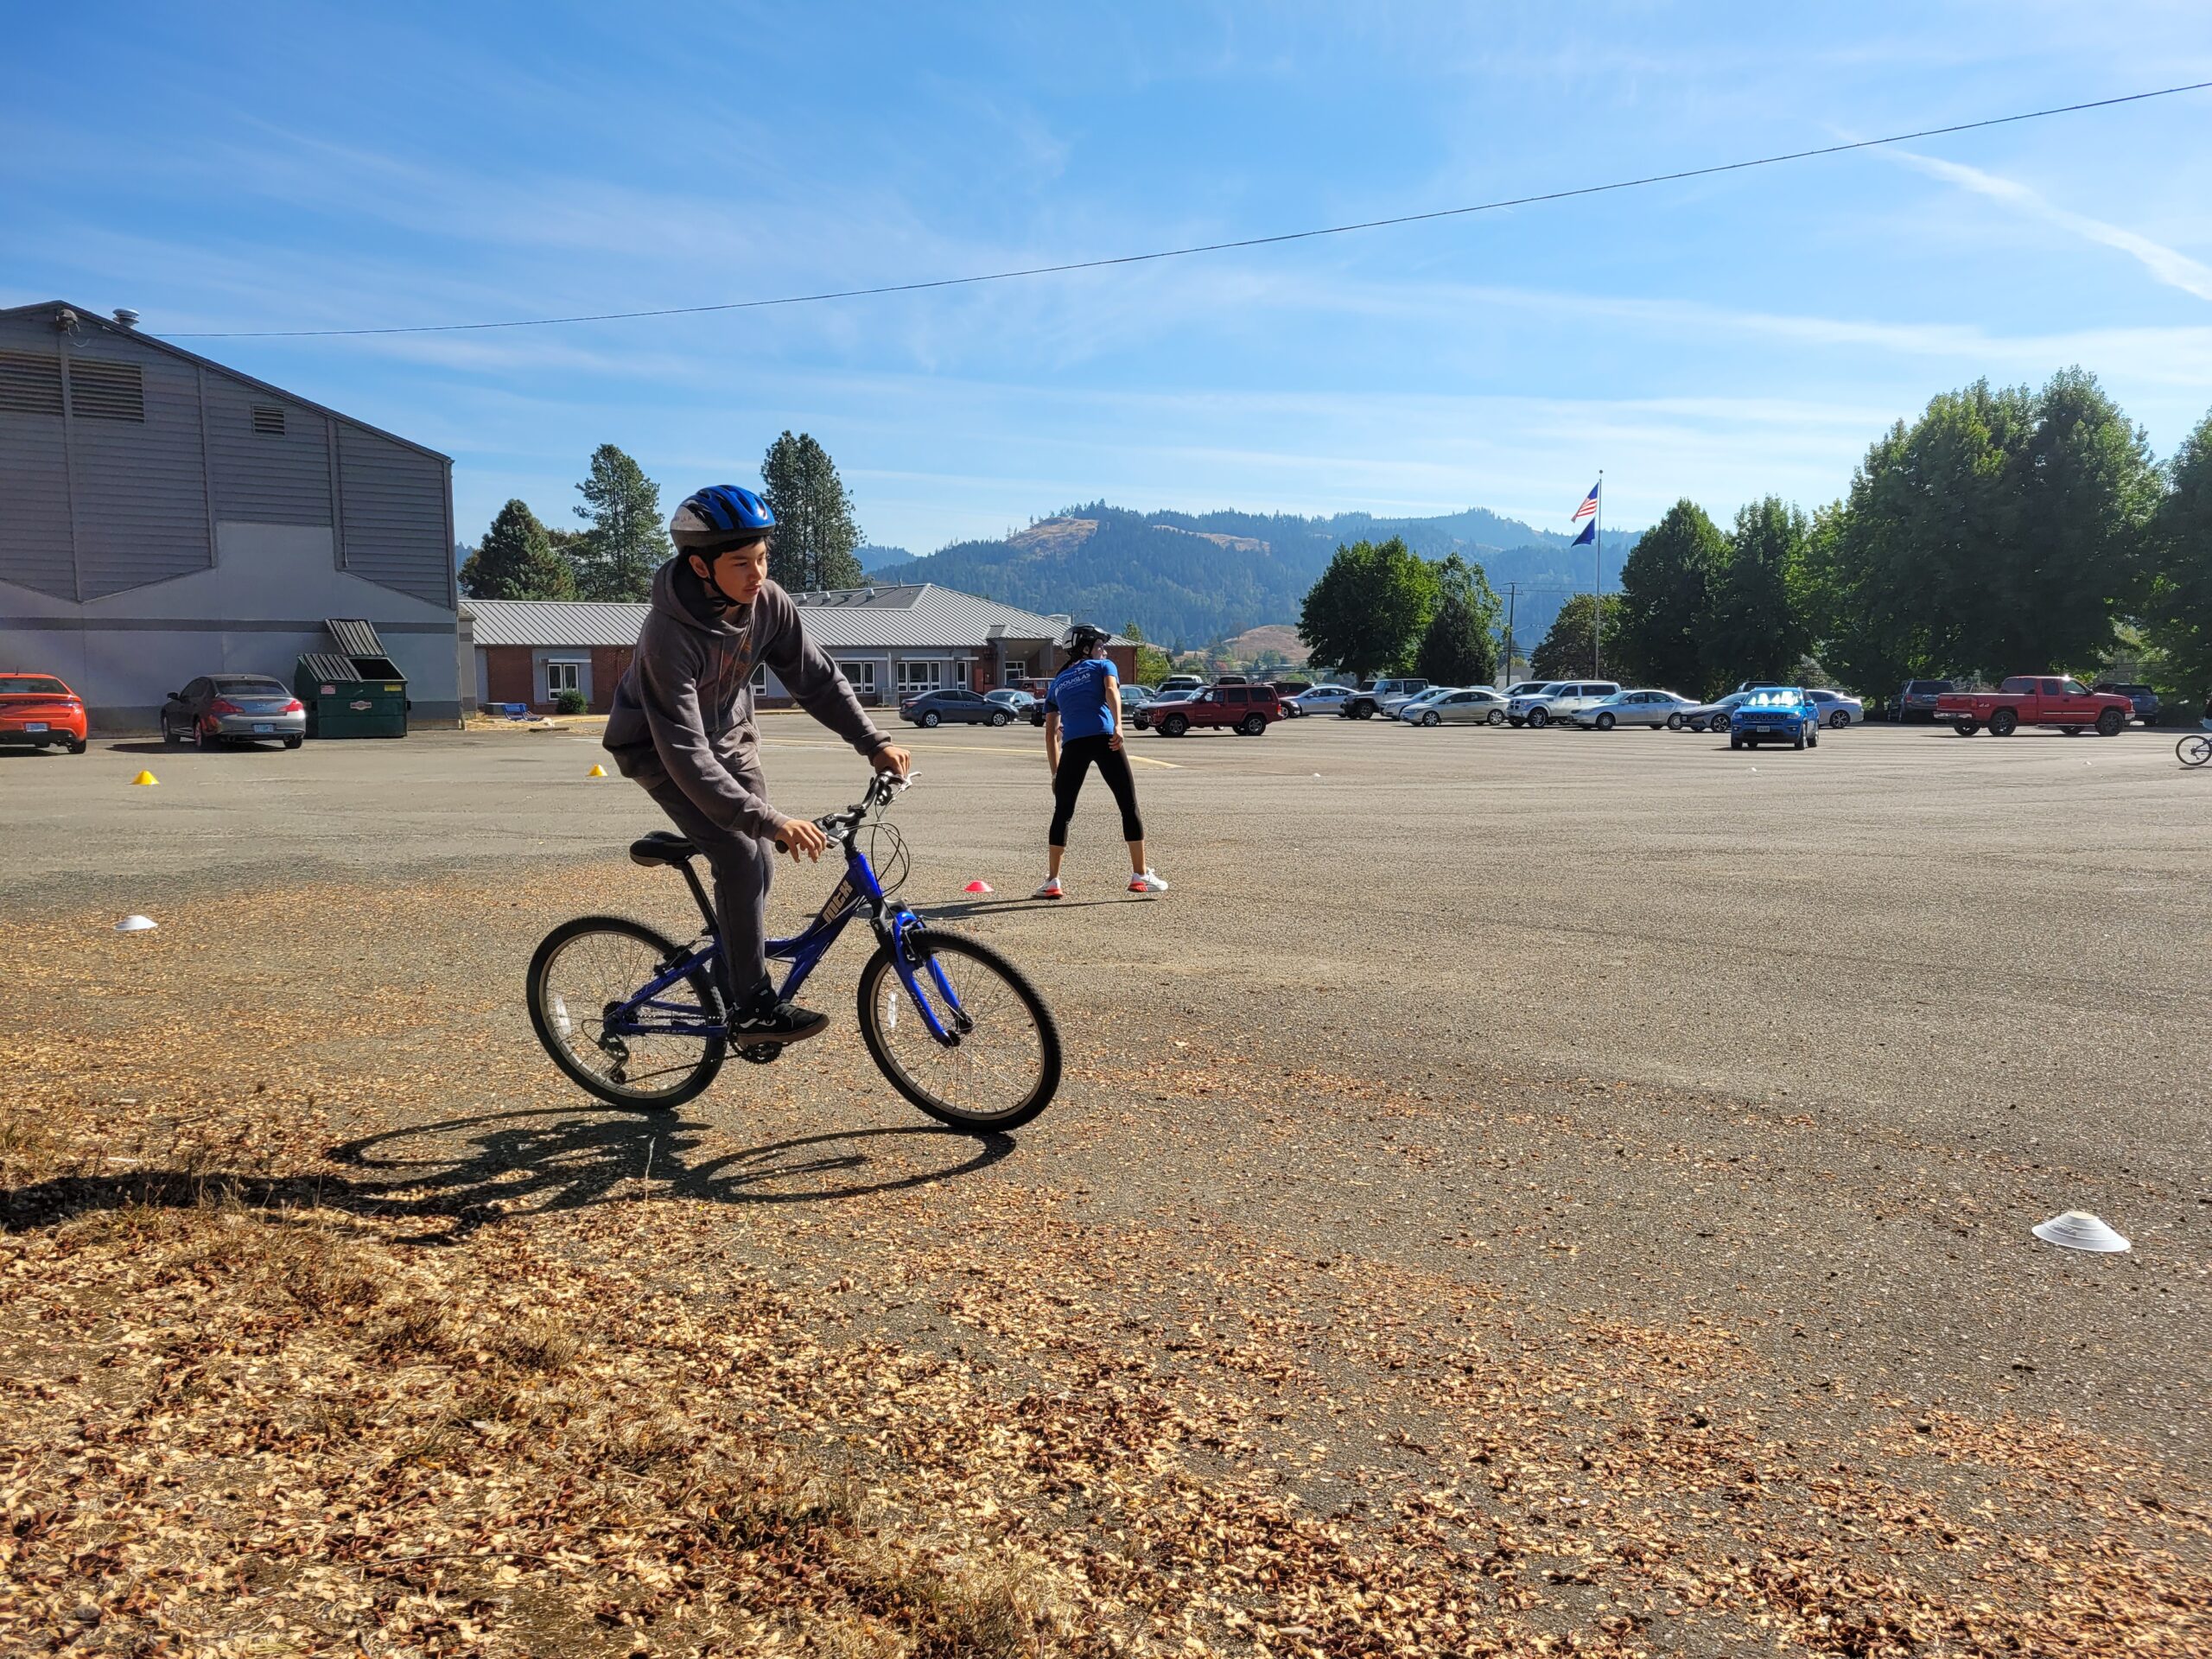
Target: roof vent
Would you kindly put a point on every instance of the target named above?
(125, 317)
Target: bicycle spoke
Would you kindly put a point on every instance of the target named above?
(596, 970)
(999, 1059)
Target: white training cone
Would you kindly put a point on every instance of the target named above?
(2077, 1230)
(136, 924)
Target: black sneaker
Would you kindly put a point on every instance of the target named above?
(767, 1020)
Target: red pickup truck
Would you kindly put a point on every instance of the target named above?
(2035, 700)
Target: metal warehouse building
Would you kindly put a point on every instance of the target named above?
(890, 643)
(162, 517)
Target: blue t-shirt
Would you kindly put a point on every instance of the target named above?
(1078, 696)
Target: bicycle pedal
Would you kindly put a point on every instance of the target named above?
(760, 1053)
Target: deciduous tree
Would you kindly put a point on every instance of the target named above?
(1366, 612)
(1565, 653)
(626, 541)
(814, 530)
(2181, 603)
(1665, 590)
(516, 560)
(1754, 625)
(1459, 646)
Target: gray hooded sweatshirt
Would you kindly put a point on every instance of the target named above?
(684, 711)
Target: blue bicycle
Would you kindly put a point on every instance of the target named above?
(638, 1019)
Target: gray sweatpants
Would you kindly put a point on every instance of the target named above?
(742, 866)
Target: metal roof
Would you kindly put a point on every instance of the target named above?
(918, 617)
(86, 315)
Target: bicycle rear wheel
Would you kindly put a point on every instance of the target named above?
(587, 968)
(2194, 750)
(1005, 1067)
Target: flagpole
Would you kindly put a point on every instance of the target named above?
(1598, 599)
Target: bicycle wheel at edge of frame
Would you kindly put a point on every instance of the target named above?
(2194, 750)
(1048, 1035)
(713, 1050)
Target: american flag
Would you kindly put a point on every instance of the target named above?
(1589, 505)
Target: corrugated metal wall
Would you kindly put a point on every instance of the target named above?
(140, 485)
(118, 459)
(392, 505)
(34, 464)
(268, 460)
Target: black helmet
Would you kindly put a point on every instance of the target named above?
(1083, 639)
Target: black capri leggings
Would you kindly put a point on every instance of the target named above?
(1077, 756)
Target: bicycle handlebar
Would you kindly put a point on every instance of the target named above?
(880, 789)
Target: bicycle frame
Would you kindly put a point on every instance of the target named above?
(857, 890)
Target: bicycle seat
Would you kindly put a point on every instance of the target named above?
(661, 848)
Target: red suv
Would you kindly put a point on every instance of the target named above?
(1249, 710)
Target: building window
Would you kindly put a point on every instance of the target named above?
(29, 385)
(562, 676)
(101, 390)
(759, 681)
(859, 675)
(915, 679)
(270, 419)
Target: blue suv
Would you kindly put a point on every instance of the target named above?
(1775, 714)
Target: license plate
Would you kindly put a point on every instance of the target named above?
(263, 725)
(34, 725)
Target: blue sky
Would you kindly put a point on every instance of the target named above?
(297, 166)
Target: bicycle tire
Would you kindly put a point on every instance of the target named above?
(876, 1006)
(2194, 750)
(713, 1051)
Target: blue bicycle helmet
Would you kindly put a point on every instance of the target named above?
(721, 515)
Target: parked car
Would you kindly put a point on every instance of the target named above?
(1286, 689)
(1540, 708)
(1175, 682)
(1320, 700)
(1394, 707)
(1524, 688)
(1917, 700)
(1712, 717)
(1653, 708)
(1477, 705)
(1778, 713)
(234, 708)
(1012, 698)
(956, 703)
(1367, 702)
(1837, 711)
(1246, 709)
(2145, 699)
(40, 710)
(1142, 717)
(2035, 700)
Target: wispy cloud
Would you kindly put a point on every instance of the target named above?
(2168, 265)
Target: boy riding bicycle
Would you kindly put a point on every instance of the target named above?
(682, 728)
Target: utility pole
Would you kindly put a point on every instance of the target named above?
(1512, 595)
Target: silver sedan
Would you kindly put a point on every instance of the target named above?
(1653, 708)
(234, 708)
(1837, 711)
(1476, 706)
(1710, 716)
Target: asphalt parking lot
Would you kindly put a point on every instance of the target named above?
(1620, 1030)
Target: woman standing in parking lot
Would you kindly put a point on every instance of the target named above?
(1082, 729)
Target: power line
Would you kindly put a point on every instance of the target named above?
(1210, 247)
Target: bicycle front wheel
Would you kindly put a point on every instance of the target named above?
(2194, 750)
(1004, 1066)
(588, 970)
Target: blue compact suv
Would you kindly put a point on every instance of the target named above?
(1775, 714)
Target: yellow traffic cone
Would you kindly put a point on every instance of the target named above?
(596, 771)
(147, 778)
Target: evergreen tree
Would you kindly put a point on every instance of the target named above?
(1665, 588)
(626, 542)
(815, 531)
(1567, 649)
(1368, 612)
(2181, 603)
(516, 561)
(1461, 645)
(1754, 626)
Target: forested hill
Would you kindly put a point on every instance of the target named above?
(1188, 579)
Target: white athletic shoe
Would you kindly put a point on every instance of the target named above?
(1148, 882)
(1052, 889)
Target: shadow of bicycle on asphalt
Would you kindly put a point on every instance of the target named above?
(499, 1168)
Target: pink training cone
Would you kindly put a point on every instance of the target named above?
(977, 887)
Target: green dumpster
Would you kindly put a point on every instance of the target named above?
(351, 696)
